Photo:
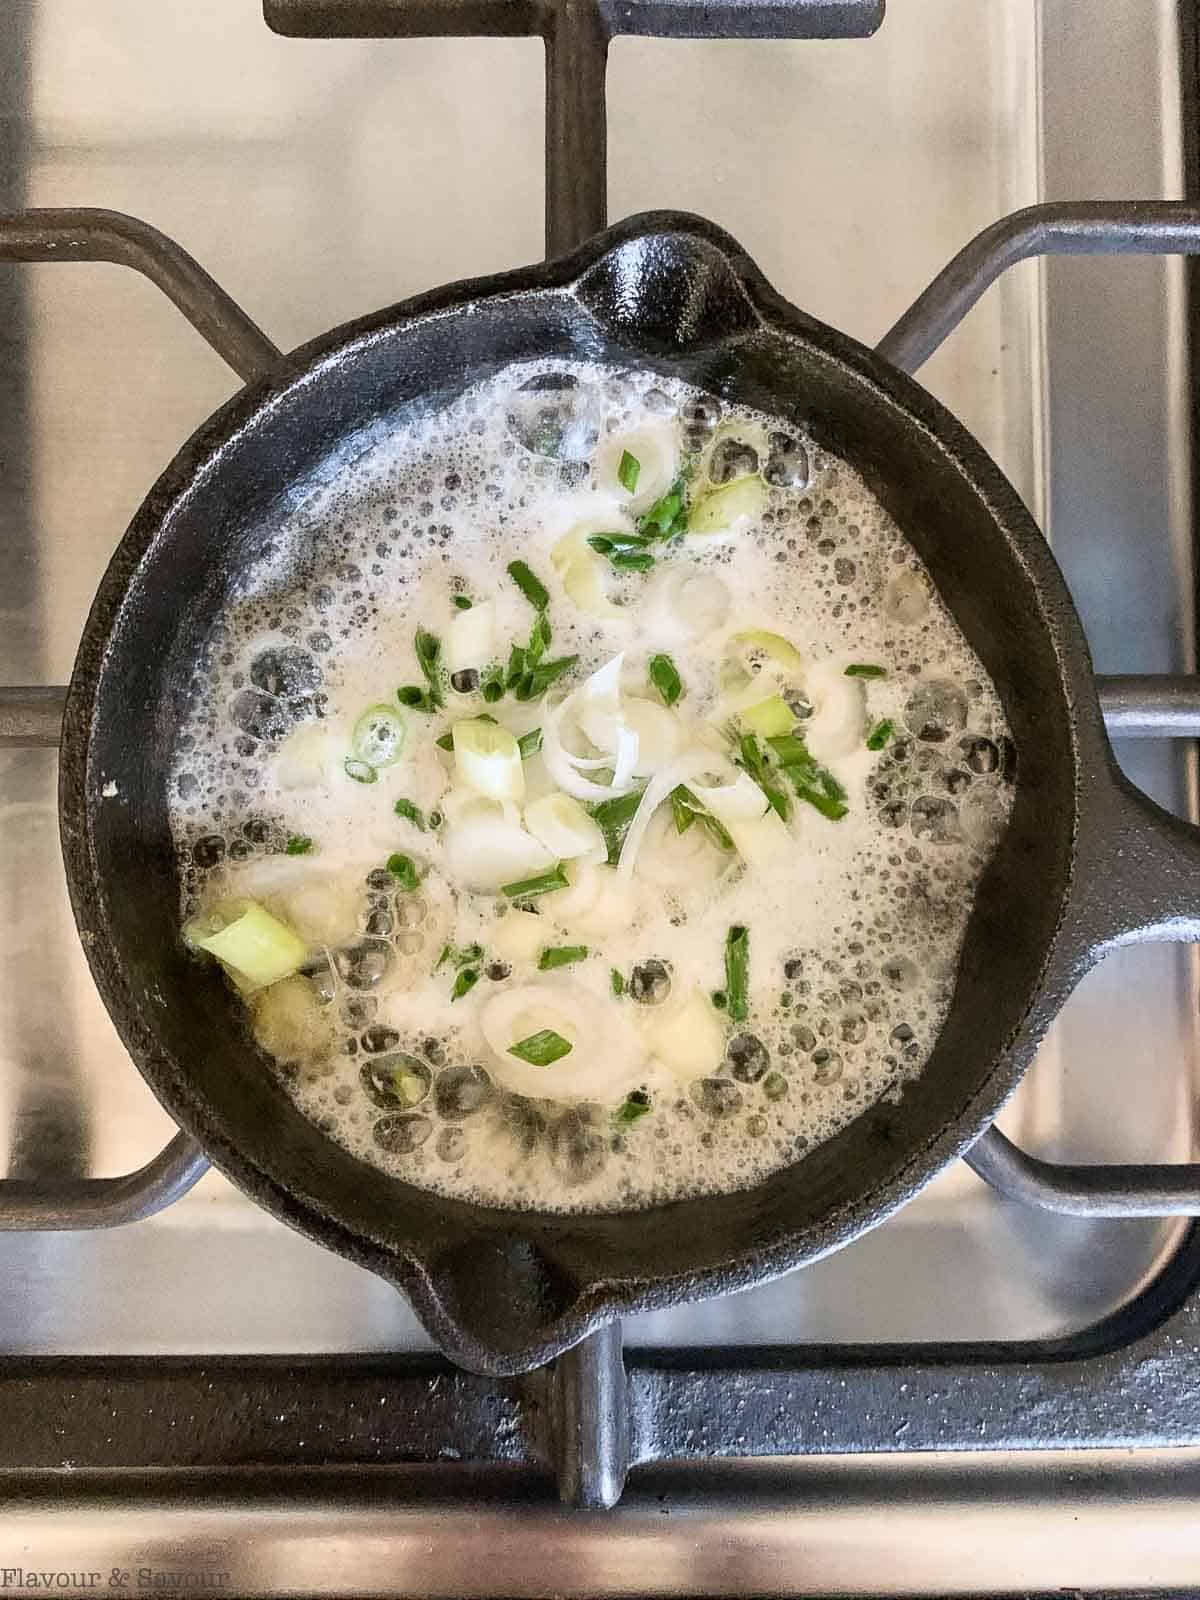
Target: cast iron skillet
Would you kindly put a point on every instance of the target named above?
(1087, 861)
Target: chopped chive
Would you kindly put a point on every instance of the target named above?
(530, 743)
(410, 813)
(737, 973)
(755, 763)
(299, 844)
(632, 1108)
(446, 742)
(665, 678)
(541, 1049)
(429, 650)
(789, 749)
(465, 957)
(418, 699)
(864, 669)
(614, 817)
(816, 795)
(880, 734)
(401, 867)
(617, 981)
(561, 955)
(530, 585)
(534, 684)
(360, 771)
(492, 690)
(629, 471)
(681, 810)
(527, 888)
(464, 983)
(632, 560)
(461, 603)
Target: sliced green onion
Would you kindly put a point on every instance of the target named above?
(515, 669)
(751, 758)
(608, 544)
(614, 817)
(488, 760)
(252, 945)
(789, 749)
(464, 983)
(561, 955)
(401, 868)
(539, 640)
(541, 1049)
(880, 734)
(460, 602)
(360, 771)
(770, 717)
(534, 684)
(665, 677)
(632, 1108)
(617, 982)
(529, 888)
(530, 743)
(632, 561)
(446, 742)
(862, 669)
(667, 516)
(416, 698)
(492, 690)
(298, 845)
(721, 509)
(458, 958)
(719, 999)
(629, 471)
(429, 650)
(686, 809)
(378, 736)
(737, 973)
(410, 813)
(530, 585)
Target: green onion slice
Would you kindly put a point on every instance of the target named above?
(629, 471)
(864, 669)
(401, 868)
(410, 812)
(541, 1049)
(464, 983)
(378, 736)
(737, 973)
(561, 955)
(880, 734)
(360, 771)
(664, 675)
(298, 845)
(530, 585)
(530, 888)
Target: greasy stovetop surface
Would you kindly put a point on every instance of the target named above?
(319, 179)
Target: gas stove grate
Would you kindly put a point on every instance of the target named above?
(590, 1416)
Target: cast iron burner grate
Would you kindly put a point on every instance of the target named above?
(593, 1414)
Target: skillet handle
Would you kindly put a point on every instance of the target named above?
(1136, 880)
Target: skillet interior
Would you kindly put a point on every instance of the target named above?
(502, 1290)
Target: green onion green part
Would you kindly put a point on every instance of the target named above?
(360, 771)
(737, 973)
(298, 845)
(530, 585)
(617, 981)
(561, 955)
(429, 651)
(632, 1108)
(752, 759)
(665, 677)
(401, 868)
(530, 743)
(446, 742)
(632, 561)
(880, 734)
(719, 999)
(686, 809)
(461, 603)
(667, 516)
(614, 817)
(458, 958)
(529, 888)
(864, 669)
(492, 690)
(464, 983)
(541, 1049)
(410, 813)
(629, 471)
(416, 698)
(815, 784)
(534, 684)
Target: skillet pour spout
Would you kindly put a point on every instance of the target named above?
(1085, 862)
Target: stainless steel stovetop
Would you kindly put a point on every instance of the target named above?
(317, 180)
